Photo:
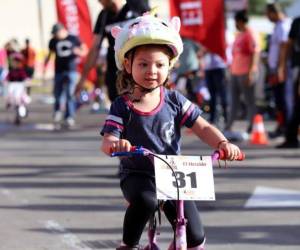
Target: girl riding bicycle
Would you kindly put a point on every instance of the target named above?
(16, 94)
(147, 113)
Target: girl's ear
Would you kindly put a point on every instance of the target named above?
(127, 65)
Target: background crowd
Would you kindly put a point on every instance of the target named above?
(225, 89)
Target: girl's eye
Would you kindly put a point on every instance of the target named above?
(160, 65)
(143, 64)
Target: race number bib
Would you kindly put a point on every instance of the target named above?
(194, 176)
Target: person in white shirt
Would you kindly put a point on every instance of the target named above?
(276, 66)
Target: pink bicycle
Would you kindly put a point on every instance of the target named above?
(179, 242)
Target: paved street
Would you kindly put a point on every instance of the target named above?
(59, 192)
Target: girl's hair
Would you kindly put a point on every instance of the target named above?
(125, 82)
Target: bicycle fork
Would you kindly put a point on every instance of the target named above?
(180, 227)
(181, 243)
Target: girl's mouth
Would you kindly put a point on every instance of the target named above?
(150, 80)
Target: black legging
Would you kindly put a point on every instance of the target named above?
(139, 191)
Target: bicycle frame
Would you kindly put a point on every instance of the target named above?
(180, 242)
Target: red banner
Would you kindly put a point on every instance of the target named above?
(75, 16)
(202, 21)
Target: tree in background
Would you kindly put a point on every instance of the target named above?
(257, 7)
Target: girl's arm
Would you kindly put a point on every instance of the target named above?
(111, 143)
(214, 138)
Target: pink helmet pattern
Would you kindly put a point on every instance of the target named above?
(147, 29)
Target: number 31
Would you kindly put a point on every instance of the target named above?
(181, 179)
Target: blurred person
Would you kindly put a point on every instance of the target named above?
(67, 50)
(12, 46)
(17, 72)
(3, 68)
(215, 76)
(29, 55)
(101, 102)
(138, 6)
(292, 51)
(276, 65)
(244, 70)
(187, 69)
(16, 96)
(29, 58)
(113, 12)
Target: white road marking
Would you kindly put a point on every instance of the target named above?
(44, 126)
(13, 197)
(273, 197)
(68, 238)
(28, 127)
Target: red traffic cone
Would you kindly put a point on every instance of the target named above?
(258, 134)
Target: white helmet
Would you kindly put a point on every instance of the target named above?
(147, 29)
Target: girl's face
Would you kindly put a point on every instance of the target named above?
(150, 66)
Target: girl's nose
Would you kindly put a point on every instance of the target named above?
(151, 69)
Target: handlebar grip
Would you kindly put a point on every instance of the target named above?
(222, 155)
(114, 154)
(134, 150)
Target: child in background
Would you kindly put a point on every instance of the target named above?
(149, 114)
(17, 72)
(16, 95)
(16, 77)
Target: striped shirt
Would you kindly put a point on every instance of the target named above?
(158, 130)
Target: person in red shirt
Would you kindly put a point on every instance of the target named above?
(244, 70)
(29, 58)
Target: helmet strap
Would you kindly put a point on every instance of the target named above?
(147, 90)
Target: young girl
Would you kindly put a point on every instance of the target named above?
(150, 115)
(16, 96)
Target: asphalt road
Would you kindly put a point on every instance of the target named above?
(59, 192)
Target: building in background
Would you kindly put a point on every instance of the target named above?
(35, 23)
(20, 24)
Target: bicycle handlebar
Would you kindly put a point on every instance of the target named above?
(134, 150)
(139, 150)
(221, 155)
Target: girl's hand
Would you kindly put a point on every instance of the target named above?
(232, 151)
(121, 145)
